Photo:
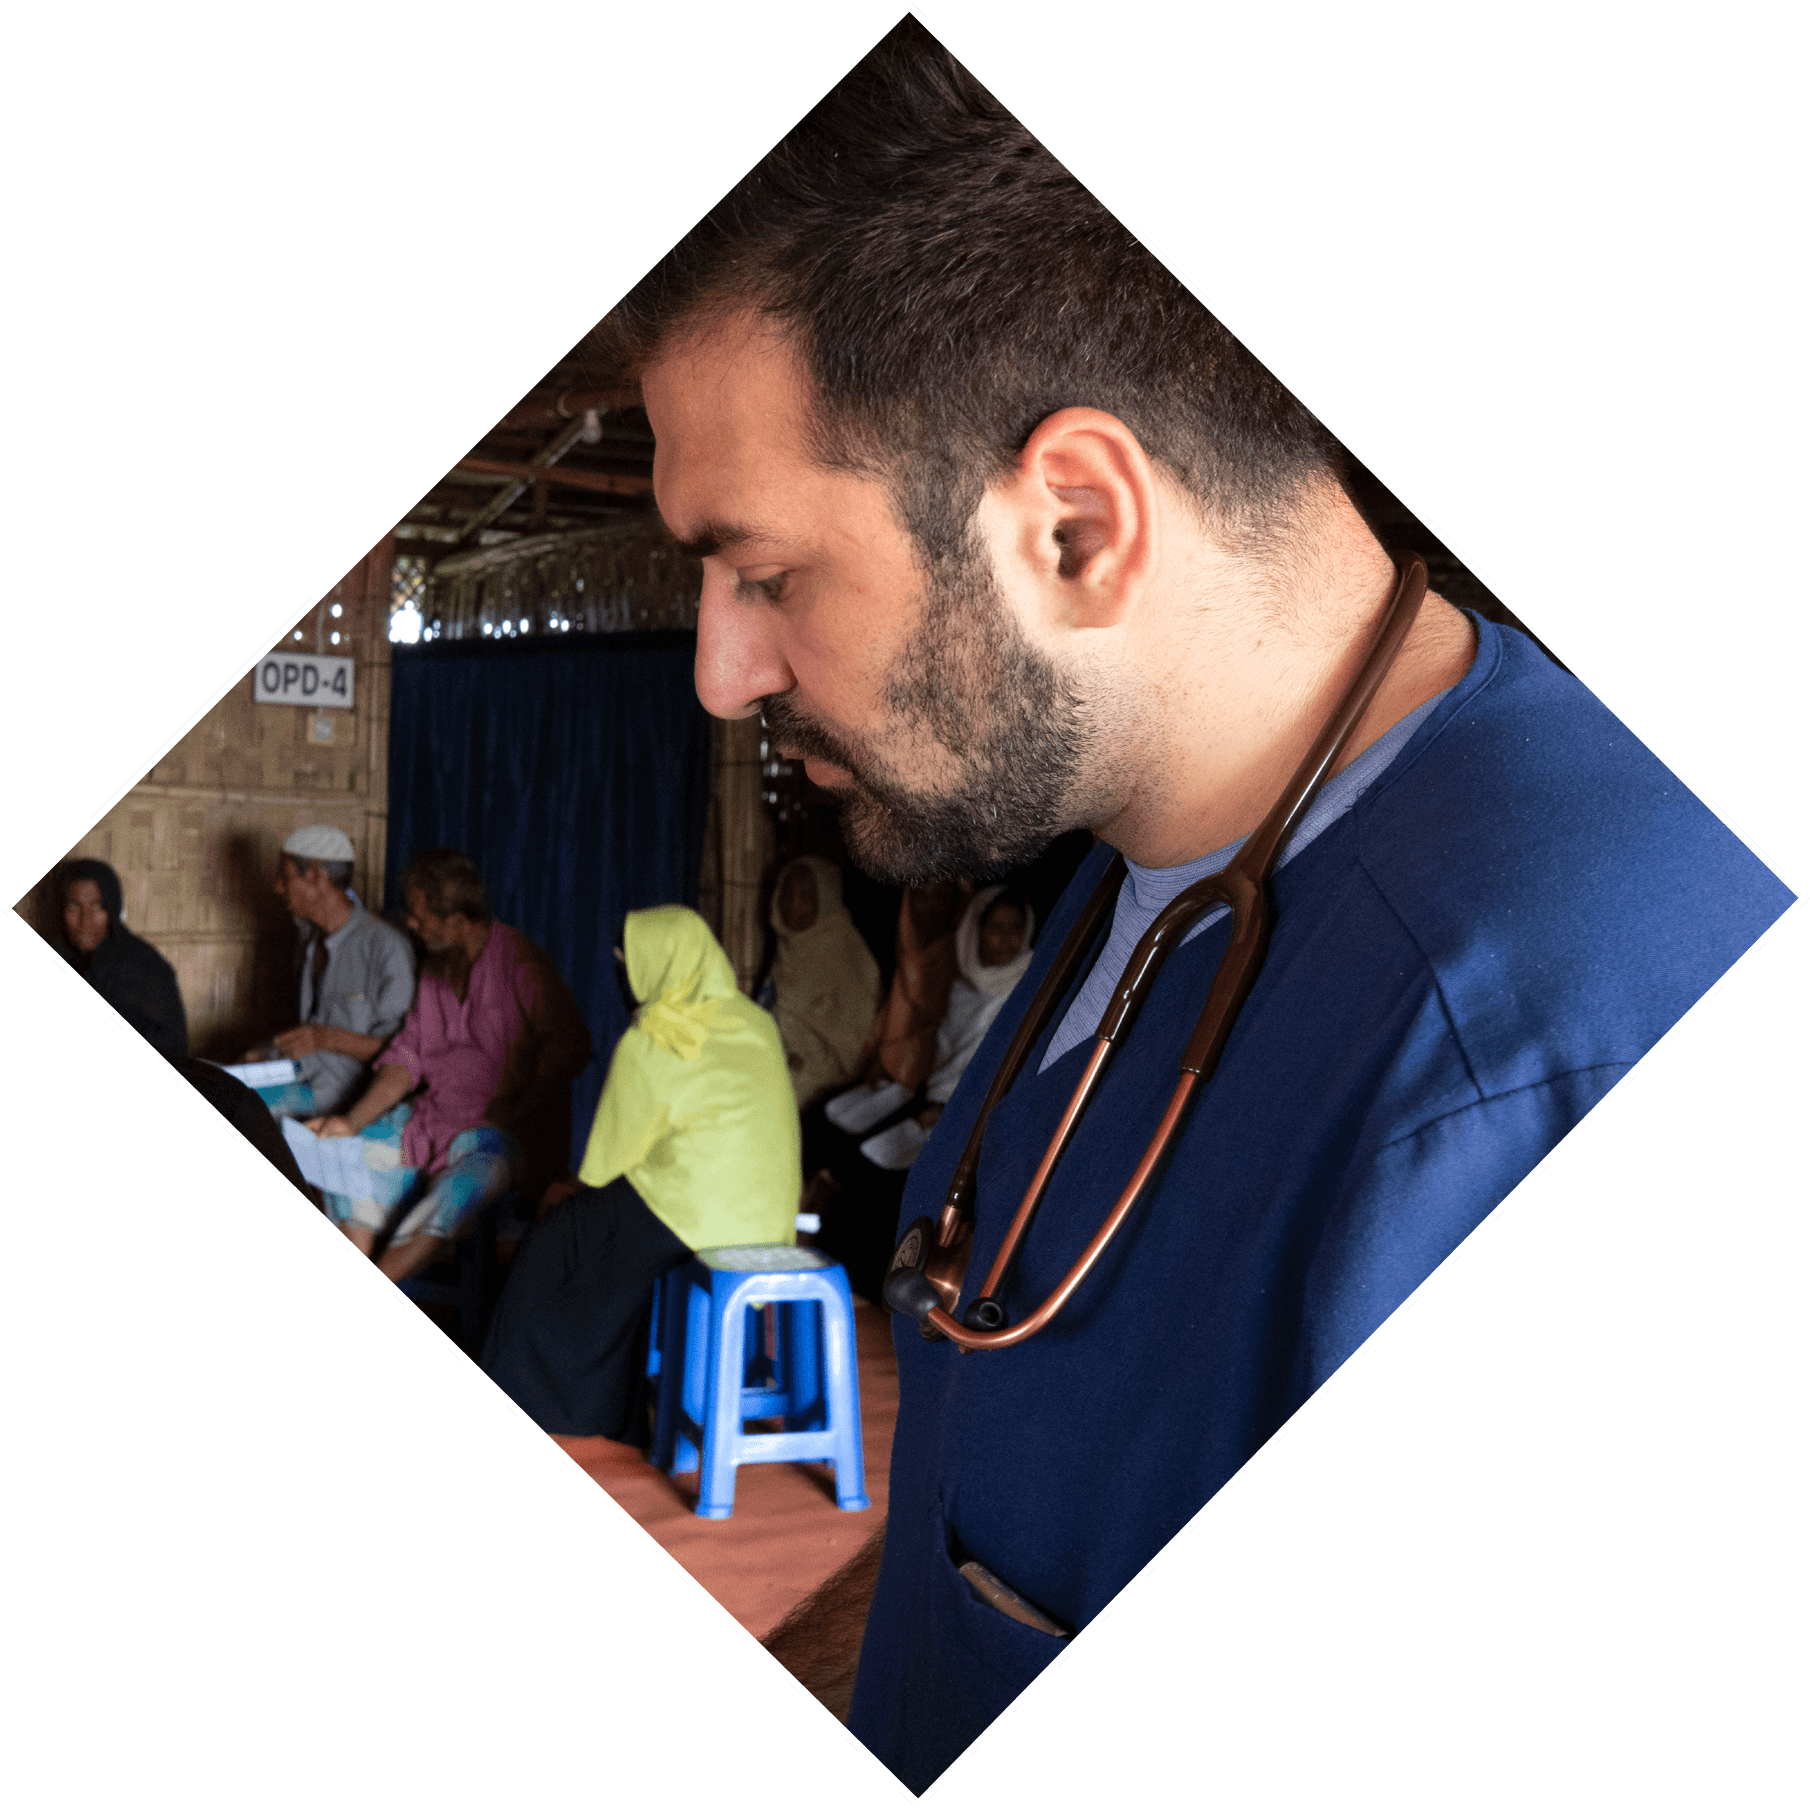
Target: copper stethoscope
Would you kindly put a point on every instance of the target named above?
(928, 1268)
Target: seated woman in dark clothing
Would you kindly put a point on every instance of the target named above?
(901, 1048)
(122, 968)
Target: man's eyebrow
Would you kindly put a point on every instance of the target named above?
(716, 537)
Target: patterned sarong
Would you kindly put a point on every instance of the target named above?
(480, 1165)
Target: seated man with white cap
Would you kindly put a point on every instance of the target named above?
(357, 978)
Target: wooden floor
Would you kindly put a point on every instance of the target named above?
(787, 1534)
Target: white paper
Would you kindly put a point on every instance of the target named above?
(897, 1146)
(862, 1108)
(334, 1164)
(264, 1074)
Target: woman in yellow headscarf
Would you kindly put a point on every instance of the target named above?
(695, 1144)
(825, 983)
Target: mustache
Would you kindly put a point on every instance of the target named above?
(785, 721)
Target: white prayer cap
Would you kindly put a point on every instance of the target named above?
(320, 842)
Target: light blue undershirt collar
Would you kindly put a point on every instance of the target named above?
(1148, 889)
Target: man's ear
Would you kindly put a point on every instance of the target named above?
(1082, 508)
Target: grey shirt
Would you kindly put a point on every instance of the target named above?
(368, 987)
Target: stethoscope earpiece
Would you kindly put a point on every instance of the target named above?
(984, 1314)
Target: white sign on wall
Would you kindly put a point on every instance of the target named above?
(322, 680)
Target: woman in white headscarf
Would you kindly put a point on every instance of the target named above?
(992, 951)
(825, 983)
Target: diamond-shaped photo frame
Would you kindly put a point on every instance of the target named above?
(1593, 1132)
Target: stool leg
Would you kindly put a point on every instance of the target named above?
(779, 1346)
(806, 1406)
(695, 1371)
(722, 1415)
(842, 1395)
(754, 1349)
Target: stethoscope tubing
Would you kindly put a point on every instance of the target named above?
(1243, 886)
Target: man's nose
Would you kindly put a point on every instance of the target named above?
(740, 660)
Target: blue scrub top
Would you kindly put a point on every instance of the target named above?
(1516, 911)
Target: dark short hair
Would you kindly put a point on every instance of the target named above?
(949, 285)
(449, 882)
(339, 873)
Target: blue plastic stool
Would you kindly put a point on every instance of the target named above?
(764, 1349)
(718, 1366)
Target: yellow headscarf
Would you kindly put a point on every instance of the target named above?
(697, 1112)
(678, 972)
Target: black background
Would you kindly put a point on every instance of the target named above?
(279, 317)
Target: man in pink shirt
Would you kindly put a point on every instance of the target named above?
(472, 1097)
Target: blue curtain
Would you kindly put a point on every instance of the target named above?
(575, 772)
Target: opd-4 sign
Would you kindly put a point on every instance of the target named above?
(323, 680)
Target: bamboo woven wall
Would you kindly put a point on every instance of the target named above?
(195, 842)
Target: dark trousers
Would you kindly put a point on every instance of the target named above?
(568, 1343)
(861, 1224)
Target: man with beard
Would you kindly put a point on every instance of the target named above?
(1006, 534)
(357, 977)
(472, 1097)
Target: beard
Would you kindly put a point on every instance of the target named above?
(970, 679)
(450, 963)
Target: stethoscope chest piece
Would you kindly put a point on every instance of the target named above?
(926, 1275)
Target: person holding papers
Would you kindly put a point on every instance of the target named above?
(471, 1099)
(871, 1135)
(356, 983)
(902, 1045)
